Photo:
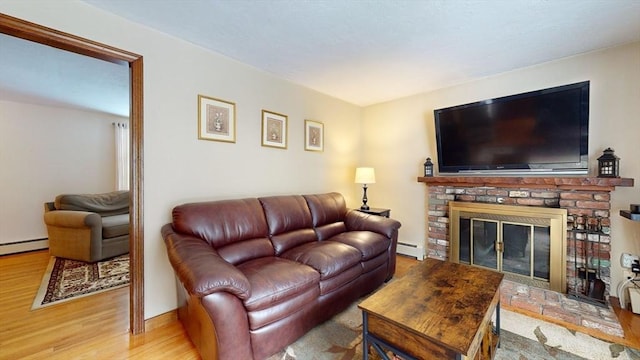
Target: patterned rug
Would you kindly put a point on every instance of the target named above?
(521, 338)
(66, 280)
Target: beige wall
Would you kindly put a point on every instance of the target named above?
(399, 135)
(394, 137)
(46, 151)
(177, 166)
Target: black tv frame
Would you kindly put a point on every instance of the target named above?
(580, 167)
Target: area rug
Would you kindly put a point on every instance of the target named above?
(66, 279)
(522, 338)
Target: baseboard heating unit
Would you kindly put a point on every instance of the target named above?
(416, 251)
(24, 246)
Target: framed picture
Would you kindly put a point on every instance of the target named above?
(274, 130)
(216, 119)
(313, 135)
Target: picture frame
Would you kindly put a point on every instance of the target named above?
(274, 129)
(216, 119)
(313, 135)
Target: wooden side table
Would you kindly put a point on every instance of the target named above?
(377, 211)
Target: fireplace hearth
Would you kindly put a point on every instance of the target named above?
(578, 196)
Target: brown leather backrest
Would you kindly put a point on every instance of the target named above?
(289, 221)
(237, 229)
(327, 212)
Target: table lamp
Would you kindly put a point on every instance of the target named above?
(364, 176)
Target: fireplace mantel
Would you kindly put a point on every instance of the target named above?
(547, 182)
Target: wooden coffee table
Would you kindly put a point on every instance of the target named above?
(438, 310)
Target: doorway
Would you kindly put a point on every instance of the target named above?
(47, 36)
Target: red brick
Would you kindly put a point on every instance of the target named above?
(526, 304)
(466, 198)
(530, 201)
(567, 204)
(576, 196)
(440, 248)
(537, 295)
(475, 191)
(593, 204)
(497, 192)
(436, 235)
(505, 299)
(558, 312)
(552, 296)
(580, 211)
(602, 197)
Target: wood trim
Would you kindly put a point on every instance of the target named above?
(30, 31)
(136, 297)
(548, 182)
(161, 320)
(47, 36)
(573, 327)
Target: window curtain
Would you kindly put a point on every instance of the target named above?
(122, 155)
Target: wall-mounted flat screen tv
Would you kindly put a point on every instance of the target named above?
(538, 132)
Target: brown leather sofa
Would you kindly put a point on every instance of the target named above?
(256, 274)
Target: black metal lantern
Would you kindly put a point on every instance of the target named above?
(428, 167)
(608, 164)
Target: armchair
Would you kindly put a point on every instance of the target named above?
(88, 227)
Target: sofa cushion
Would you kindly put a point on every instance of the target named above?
(106, 204)
(329, 258)
(274, 280)
(114, 226)
(225, 222)
(289, 221)
(370, 244)
(327, 212)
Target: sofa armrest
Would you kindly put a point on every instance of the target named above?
(72, 219)
(356, 220)
(199, 267)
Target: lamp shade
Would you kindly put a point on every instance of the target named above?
(365, 175)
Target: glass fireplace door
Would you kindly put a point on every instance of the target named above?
(510, 247)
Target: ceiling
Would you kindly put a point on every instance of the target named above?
(368, 51)
(39, 74)
(371, 51)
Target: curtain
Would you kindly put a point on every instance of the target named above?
(122, 155)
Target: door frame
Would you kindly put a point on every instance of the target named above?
(33, 32)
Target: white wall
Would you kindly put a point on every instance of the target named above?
(46, 151)
(180, 168)
(399, 135)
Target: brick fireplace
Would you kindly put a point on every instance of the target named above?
(582, 197)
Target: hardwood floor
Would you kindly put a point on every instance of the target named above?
(94, 327)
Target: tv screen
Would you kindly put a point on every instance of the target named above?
(543, 131)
